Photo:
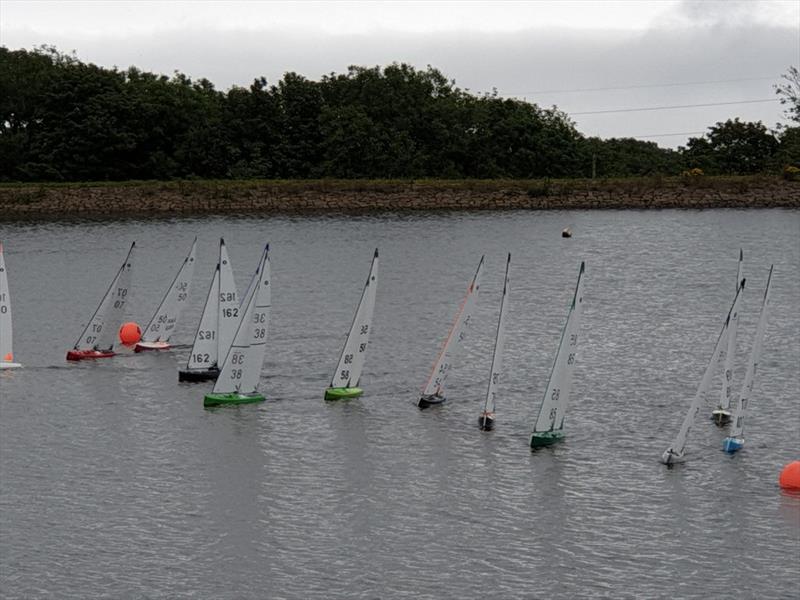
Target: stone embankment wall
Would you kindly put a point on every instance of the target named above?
(154, 198)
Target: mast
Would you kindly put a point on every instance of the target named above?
(740, 403)
(556, 397)
(164, 320)
(499, 344)
(675, 452)
(458, 332)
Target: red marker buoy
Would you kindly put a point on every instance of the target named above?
(129, 333)
(790, 477)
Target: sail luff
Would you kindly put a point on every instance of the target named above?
(165, 319)
(6, 331)
(725, 398)
(227, 303)
(740, 403)
(499, 344)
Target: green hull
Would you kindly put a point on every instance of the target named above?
(226, 399)
(342, 393)
(546, 438)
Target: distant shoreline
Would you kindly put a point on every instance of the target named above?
(198, 197)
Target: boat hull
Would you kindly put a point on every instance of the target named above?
(546, 438)
(486, 421)
(9, 365)
(731, 444)
(672, 458)
(198, 374)
(432, 400)
(89, 354)
(342, 393)
(144, 346)
(231, 399)
(721, 416)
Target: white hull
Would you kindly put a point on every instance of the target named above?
(152, 346)
(671, 458)
(9, 365)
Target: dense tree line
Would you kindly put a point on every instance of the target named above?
(65, 120)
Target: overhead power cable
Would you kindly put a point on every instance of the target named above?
(655, 135)
(647, 85)
(623, 110)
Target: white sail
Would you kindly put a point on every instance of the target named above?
(228, 309)
(163, 323)
(675, 452)
(241, 370)
(205, 348)
(499, 346)
(101, 331)
(556, 397)
(6, 332)
(354, 352)
(455, 339)
(725, 398)
(739, 407)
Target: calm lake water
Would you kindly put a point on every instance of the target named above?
(115, 482)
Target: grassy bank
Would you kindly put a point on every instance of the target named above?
(363, 195)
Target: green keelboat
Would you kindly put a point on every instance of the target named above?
(238, 378)
(342, 393)
(344, 383)
(233, 398)
(546, 438)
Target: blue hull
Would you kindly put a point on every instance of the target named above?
(731, 445)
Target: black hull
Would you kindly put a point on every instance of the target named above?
(486, 423)
(427, 401)
(194, 376)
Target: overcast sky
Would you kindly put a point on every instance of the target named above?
(669, 53)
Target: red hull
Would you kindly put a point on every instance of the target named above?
(88, 354)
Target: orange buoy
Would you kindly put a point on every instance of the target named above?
(790, 477)
(8, 357)
(129, 333)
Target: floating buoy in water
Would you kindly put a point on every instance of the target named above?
(566, 232)
(129, 333)
(790, 477)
